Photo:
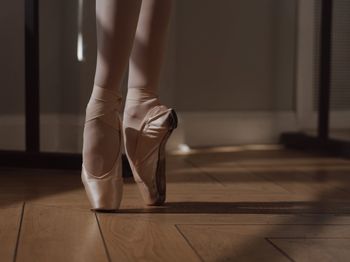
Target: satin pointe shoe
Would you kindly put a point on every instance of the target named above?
(105, 190)
(148, 160)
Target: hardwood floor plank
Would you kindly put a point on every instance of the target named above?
(263, 199)
(311, 249)
(132, 238)
(236, 219)
(9, 229)
(59, 234)
(42, 186)
(269, 242)
(229, 243)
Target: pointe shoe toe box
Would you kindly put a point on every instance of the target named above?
(104, 193)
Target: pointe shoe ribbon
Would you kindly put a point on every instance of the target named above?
(148, 163)
(105, 105)
(105, 191)
(153, 128)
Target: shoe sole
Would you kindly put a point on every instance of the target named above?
(161, 163)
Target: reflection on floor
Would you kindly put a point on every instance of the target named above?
(244, 205)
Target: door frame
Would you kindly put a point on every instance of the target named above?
(307, 116)
(32, 157)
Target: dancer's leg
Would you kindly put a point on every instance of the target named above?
(116, 25)
(145, 65)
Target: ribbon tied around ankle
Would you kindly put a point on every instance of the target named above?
(105, 105)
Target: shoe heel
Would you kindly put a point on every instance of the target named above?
(173, 120)
(151, 178)
(161, 165)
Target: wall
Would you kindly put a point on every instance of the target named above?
(11, 57)
(238, 55)
(224, 56)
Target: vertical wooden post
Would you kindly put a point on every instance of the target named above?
(32, 128)
(325, 70)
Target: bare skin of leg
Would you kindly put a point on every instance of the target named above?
(116, 23)
(145, 65)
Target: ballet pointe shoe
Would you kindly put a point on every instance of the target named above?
(104, 191)
(148, 160)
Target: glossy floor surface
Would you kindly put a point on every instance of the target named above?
(232, 204)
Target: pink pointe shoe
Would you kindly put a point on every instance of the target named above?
(105, 190)
(148, 160)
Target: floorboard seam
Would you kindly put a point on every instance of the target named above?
(279, 250)
(255, 224)
(309, 238)
(103, 239)
(205, 173)
(188, 242)
(19, 233)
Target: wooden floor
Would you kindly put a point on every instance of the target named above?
(233, 205)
